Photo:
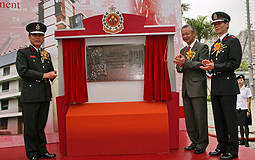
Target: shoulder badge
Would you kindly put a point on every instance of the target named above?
(113, 21)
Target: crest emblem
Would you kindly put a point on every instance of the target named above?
(113, 21)
(215, 16)
(37, 27)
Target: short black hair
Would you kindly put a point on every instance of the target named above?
(241, 76)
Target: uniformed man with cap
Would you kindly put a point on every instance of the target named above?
(225, 58)
(35, 67)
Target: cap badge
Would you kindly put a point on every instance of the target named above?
(215, 16)
(37, 27)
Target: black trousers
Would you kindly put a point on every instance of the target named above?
(35, 116)
(225, 119)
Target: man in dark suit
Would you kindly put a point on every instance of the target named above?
(225, 58)
(35, 68)
(194, 89)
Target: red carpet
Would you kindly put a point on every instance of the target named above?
(18, 153)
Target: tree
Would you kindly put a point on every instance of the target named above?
(184, 7)
(243, 66)
(203, 28)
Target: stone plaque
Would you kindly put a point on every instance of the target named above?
(115, 62)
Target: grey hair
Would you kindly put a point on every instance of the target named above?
(189, 26)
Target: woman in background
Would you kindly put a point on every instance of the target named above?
(243, 109)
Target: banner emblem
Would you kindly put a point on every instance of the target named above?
(113, 21)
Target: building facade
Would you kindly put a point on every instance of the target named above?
(10, 90)
(55, 14)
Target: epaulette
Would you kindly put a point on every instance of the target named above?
(24, 48)
(232, 37)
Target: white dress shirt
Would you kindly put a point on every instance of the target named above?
(242, 98)
(223, 36)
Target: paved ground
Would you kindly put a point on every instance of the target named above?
(252, 127)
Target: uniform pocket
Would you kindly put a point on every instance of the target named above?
(30, 91)
(228, 83)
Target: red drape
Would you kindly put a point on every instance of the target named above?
(156, 79)
(74, 70)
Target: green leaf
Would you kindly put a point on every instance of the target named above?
(203, 28)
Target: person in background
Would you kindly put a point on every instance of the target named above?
(243, 110)
(225, 58)
(194, 89)
(35, 67)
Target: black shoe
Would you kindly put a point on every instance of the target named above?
(199, 150)
(33, 158)
(228, 155)
(191, 147)
(241, 143)
(246, 144)
(48, 156)
(217, 152)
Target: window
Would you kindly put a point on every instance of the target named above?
(41, 11)
(4, 105)
(6, 71)
(5, 87)
(3, 123)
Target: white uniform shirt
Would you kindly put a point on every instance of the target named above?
(242, 98)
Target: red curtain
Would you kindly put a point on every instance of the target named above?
(156, 79)
(74, 70)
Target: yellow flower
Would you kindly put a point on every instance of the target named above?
(44, 55)
(218, 48)
(190, 54)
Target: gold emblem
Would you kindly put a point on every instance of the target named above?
(37, 27)
(215, 16)
(113, 21)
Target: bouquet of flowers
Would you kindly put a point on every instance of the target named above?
(218, 48)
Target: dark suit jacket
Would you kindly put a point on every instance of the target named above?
(194, 78)
(228, 60)
(31, 69)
